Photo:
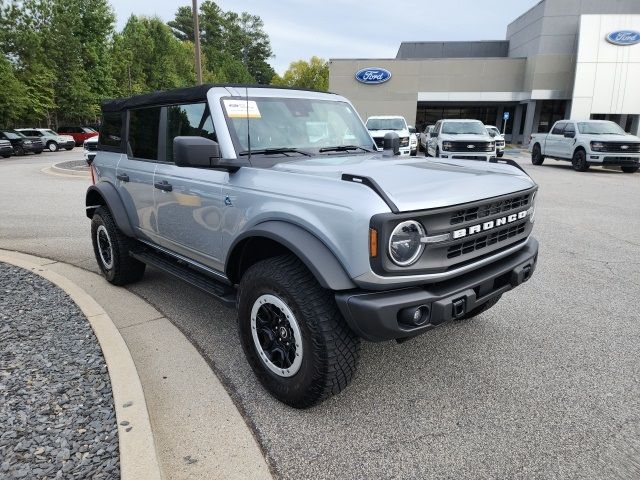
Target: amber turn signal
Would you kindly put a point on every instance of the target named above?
(373, 242)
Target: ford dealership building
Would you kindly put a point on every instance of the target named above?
(576, 59)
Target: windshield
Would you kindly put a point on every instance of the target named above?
(600, 128)
(459, 128)
(494, 130)
(88, 130)
(386, 124)
(50, 132)
(11, 135)
(303, 124)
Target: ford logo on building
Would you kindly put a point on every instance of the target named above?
(624, 37)
(373, 75)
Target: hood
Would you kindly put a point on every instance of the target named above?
(465, 138)
(382, 133)
(91, 140)
(612, 138)
(419, 183)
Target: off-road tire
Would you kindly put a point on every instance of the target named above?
(329, 348)
(481, 309)
(536, 155)
(629, 169)
(52, 146)
(123, 269)
(579, 161)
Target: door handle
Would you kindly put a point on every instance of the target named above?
(164, 186)
(123, 177)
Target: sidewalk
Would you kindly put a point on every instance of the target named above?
(198, 431)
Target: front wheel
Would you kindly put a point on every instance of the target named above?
(111, 248)
(52, 146)
(629, 169)
(579, 161)
(536, 155)
(19, 151)
(293, 334)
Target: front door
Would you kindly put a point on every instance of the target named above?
(135, 170)
(554, 140)
(188, 200)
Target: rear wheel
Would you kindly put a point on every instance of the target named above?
(52, 146)
(630, 169)
(536, 155)
(293, 334)
(579, 161)
(111, 248)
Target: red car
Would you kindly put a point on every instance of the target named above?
(79, 134)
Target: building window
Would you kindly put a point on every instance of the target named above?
(550, 112)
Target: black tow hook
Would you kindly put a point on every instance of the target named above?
(459, 307)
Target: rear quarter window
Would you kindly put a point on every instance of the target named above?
(111, 131)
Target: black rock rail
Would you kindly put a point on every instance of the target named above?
(57, 418)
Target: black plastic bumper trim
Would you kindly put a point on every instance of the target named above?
(374, 315)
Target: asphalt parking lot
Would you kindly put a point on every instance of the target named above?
(544, 385)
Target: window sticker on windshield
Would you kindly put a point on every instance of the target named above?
(241, 109)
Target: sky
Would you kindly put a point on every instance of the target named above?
(300, 29)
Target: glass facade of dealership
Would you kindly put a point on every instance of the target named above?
(557, 61)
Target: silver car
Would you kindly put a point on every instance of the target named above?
(51, 140)
(278, 203)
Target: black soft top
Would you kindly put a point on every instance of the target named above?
(178, 95)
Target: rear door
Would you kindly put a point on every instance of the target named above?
(553, 144)
(189, 201)
(135, 170)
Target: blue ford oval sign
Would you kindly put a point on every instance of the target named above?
(373, 75)
(624, 37)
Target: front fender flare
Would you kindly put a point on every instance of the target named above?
(317, 257)
(111, 199)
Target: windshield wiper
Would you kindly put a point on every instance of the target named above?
(343, 148)
(274, 151)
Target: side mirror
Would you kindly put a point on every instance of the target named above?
(391, 144)
(569, 134)
(197, 152)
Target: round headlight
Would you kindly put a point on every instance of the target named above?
(405, 246)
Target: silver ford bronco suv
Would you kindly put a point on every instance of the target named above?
(277, 202)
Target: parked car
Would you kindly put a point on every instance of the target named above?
(6, 150)
(379, 126)
(90, 148)
(21, 143)
(52, 141)
(424, 138)
(587, 143)
(413, 141)
(316, 241)
(461, 139)
(499, 139)
(79, 134)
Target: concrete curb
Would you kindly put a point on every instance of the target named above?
(138, 458)
(56, 170)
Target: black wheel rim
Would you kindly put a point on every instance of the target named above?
(276, 335)
(105, 249)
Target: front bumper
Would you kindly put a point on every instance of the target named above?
(33, 148)
(614, 159)
(374, 316)
(6, 150)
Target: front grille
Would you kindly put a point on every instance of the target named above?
(404, 141)
(491, 208)
(617, 147)
(484, 241)
(470, 147)
(91, 146)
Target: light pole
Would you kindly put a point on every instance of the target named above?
(196, 37)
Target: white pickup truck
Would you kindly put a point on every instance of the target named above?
(379, 126)
(587, 143)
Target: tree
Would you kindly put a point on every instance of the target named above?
(313, 74)
(12, 94)
(228, 37)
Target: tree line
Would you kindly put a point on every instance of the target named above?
(61, 58)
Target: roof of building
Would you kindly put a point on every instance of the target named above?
(464, 49)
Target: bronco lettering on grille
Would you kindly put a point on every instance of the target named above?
(483, 227)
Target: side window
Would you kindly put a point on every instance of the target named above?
(111, 130)
(436, 128)
(190, 120)
(570, 128)
(143, 133)
(558, 129)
